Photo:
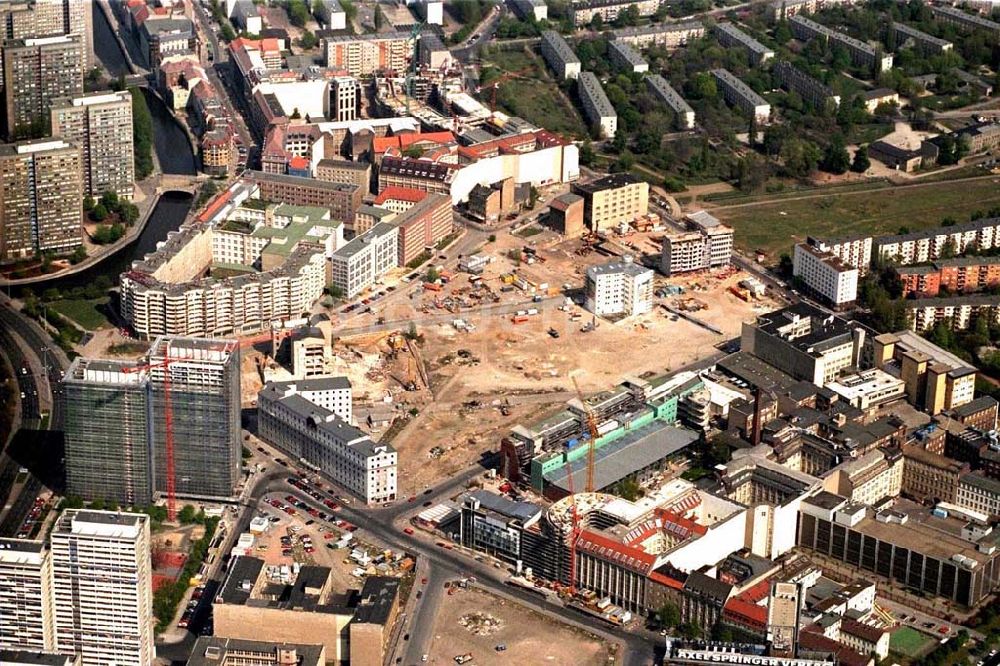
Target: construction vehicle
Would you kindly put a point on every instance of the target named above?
(411, 381)
(553, 333)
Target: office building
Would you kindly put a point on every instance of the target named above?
(35, 72)
(422, 225)
(342, 199)
(433, 52)
(366, 55)
(743, 97)
(585, 11)
(102, 587)
(939, 557)
(667, 35)
(665, 93)
(495, 525)
(805, 342)
(732, 37)
(596, 105)
(784, 617)
(108, 439)
(936, 380)
(101, 125)
(613, 200)
(815, 92)
(25, 596)
(930, 477)
(559, 56)
(619, 288)
(868, 389)
(929, 45)
(345, 171)
(626, 58)
(344, 98)
(41, 198)
(825, 275)
(204, 386)
(306, 430)
(707, 244)
(218, 651)
(964, 20)
(168, 35)
(365, 259)
(862, 54)
(980, 493)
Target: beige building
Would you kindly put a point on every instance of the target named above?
(929, 476)
(101, 124)
(344, 98)
(35, 72)
(612, 200)
(41, 198)
(364, 55)
(25, 595)
(868, 479)
(21, 19)
(935, 379)
(345, 171)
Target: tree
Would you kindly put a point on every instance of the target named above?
(88, 203)
(99, 213)
(432, 275)
(227, 33)
(110, 200)
(142, 135)
(668, 615)
(587, 153)
(597, 23)
(79, 254)
(187, 514)
(861, 162)
(492, 238)
(308, 40)
(835, 157)
(628, 489)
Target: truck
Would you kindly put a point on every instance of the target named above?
(463, 658)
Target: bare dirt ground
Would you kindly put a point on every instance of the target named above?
(489, 621)
(523, 370)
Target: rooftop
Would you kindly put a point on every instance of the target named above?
(214, 650)
(522, 511)
(378, 596)
(611, 182)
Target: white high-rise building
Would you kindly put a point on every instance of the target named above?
(619, 288)
(102, 587)
(25, 596)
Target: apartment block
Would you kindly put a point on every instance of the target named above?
(365, 259)
(854, 251)
(732, 37)
(33, 658)
(422, 225)
(927, 44)
(936, 380)
(619, 288)
(41, 198)
(102, 587)
(108, 447)
(21, 19)
(345, 171)
(36, 71)
(163, 36)
(342, 199)
(25, 596)
(304, 429)
(785, 9)
(531, 9)
(584, 11)
(101, 124)
(707, 244)
(366, 55)
(862, 54)
(930, 476)
(332, 13)
(930, 244)
(813, 91)
(960, 312)
(958, 275)
(559, 55)
(663, 91)
(667, 35)
(743, 97)
(825, 275)
(612, 200)
(964, 20)
(596, 105)
(626, 58)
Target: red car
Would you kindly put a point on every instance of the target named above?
(408, 530)
(412, 499)
(290, 511)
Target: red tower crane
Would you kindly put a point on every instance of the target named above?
(591, 422)
(506, 76)
(168, 425)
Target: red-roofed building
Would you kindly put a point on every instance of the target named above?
(613, 569)
(864, 638)
(746, 616)
(812, 640)
(401, 142)
(399, 199)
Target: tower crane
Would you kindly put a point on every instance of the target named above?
(503, 78)
(591, 421)
(574, 531)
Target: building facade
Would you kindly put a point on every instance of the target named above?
(619, 288)
(824, 274)
(25, 595)
(743, 97)
(559, 56)
(101, 124)
(35, 72)
(664, 92)
(41, 198)
(611, 200)
(732, 37)
(364, 56)
(596, 105)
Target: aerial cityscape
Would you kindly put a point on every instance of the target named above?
(590, 332)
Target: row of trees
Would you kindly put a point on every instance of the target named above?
(142, 135)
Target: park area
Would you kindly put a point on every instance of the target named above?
(774, 224)
(909, 643)
(530, 92)
(474, 622)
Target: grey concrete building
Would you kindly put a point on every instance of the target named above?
(743, 97)
(596, 105)
(664, 92)
(731, 36)
(559, 55)
(820, 95)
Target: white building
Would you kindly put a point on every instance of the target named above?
(619, 288)
(365, 259)
(979, 493)
(305, 431)
(25, 596)
(344, 97)
(825, 274)
(431, 11)
(331, 393)
(743, 97)
(708, 244)
(102, 587)
(625, 57)
(664, 92)
(869, 388)
(333, 14)
(536, 9)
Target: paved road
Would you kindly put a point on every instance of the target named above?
(468, 50)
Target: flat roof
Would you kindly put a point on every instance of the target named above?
(378, 596)
(523, 511)
(213, 650)
(31, 658)
(637, 449)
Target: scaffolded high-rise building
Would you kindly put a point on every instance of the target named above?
(116, 422)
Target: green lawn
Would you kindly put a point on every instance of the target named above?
(83, 312)
(536, 97)
(775, 226)
(908, 642)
